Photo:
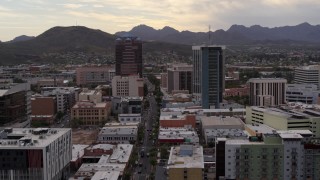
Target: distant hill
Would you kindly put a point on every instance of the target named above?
(69, 39)
(235, 35)
(21, 38)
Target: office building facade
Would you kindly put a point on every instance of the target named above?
(267, 91)
(307, 75)
(304, 93)
(128, 56)
(37, 154)
(15, 103)
(179, 77)
(208, 75)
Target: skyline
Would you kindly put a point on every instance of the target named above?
(33, 17)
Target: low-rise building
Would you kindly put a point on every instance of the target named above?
(43, 109)
(127, 105)
(185, 162)
(216, 126)
(77, 155)
(109, 166)
(90, 95)
(128, 118)
(178, 136)
(243, 91)
(187, 121)
(117, 133)
(90, 113)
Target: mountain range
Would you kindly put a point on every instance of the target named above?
(236, 34)
(78, 38)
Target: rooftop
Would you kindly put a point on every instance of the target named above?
(177, 160)
(221, 121)
(106, 175)
(30, 138)
(101, 146)
(260, 128)
(121, 130)
(121, 154)
(311, 67)
(173, 117)
(78, 151)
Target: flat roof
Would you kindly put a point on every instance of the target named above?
(124, 130)
(221, 121)
(173, 117)
(106, 175)
(101, 146)
(176, 160)
(78, 151)
(32, 141)
(121, 154)
(261, 128)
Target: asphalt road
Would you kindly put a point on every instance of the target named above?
(149, 117)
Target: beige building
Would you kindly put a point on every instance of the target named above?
(267, 91)
(94, 75)
(90, 113)
(127, 86)
(50, 83)
(90, 95)
(185, 163)
(285, 118)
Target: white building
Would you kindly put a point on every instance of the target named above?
(127, 86)
(128, 118)
(304, 93)
(117, 133)
(40, 153)
(267, 91)
(66, 96)
(178, 136)
(90, 95)
(307, 75)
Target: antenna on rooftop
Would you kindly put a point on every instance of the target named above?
(209, 33)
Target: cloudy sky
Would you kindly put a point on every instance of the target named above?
(32, 17)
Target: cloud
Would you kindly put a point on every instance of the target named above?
(98, 6)
(72, 6)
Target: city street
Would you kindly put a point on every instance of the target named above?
(148, 120)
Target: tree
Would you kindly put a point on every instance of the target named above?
(153, 161)
(59, 115)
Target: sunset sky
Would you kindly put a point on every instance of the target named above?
(32, 17)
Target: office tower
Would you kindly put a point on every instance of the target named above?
(304, 93)
(307, 75)
(128, 56)
(15, 104)
(267, 91)
(180, 77)
(208, 75)
(39, 154)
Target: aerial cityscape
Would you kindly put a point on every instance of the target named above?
(220, 90)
